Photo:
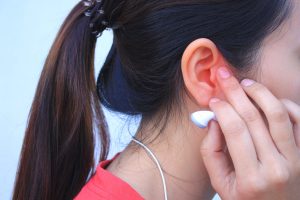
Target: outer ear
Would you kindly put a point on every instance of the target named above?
(199, 63)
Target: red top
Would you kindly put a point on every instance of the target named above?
(105, 185)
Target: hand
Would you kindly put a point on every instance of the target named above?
(246, 158)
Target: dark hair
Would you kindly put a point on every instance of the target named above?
(141, 76)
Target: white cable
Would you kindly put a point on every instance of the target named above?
(201, 119)
(158, 165)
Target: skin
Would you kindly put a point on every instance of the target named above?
(254, 150)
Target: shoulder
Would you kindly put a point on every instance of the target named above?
(105, 185)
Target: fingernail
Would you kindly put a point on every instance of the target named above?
(247, 82)
(213, 100)
(223, 73)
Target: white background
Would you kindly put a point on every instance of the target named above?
(27, 31)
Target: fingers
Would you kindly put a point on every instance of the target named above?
(238, 139)
(249, 135)
(216, 161)
(294, 113)
(249, 113)
(280, 126)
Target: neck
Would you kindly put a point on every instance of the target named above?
(177, 150)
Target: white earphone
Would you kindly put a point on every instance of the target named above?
(202, 118)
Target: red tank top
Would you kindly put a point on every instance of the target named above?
(105, 185)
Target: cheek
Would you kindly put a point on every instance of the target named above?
(281, 75)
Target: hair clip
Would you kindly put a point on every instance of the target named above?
(87, 3)
(96, 12)
(88, 13)
(101, 11)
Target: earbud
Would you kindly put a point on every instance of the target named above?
(202, 118)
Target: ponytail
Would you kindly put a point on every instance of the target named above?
(58, 150)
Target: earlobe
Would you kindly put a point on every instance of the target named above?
(199, 64)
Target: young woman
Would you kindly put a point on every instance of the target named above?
(168, 59)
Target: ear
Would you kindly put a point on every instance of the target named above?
(199, 63)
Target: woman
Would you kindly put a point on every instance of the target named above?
(168, 59)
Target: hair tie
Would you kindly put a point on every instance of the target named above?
(97, 15)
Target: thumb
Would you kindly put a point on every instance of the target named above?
(215, 159)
